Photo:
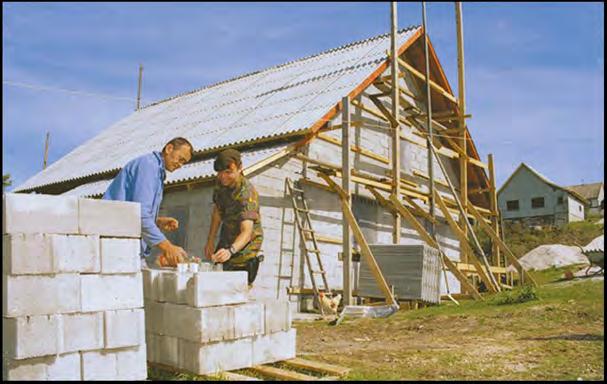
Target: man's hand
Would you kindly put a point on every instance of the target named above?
(171, 254)
(221, 255)
(167, 224)
(208, 250)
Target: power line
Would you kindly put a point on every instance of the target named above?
(74, 92)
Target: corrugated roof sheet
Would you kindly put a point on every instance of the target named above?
(280, 100)
(189, 171)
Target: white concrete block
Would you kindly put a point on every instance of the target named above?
(99, 365)
(277, 316)
(29, 213)
(248, 319)
(124, 328)
(198, 324)
(174, 285)
(212, 358)
(109, 218)
(131, 364)
(207, 289)
(168, 350)
(149, 283)
(274, 347)
(75, 253)
(120, 255)
(82, 331)
(40, 295)
(110, 292)
(26, 253)
(154, 313)
(31, 336)
(57, 367)
(151, 345)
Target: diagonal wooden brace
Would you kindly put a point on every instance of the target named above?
(525, 276)
(482, 272)
(405, 213)
(360, 239)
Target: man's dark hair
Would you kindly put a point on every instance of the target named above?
(178, 142)
(225, 158)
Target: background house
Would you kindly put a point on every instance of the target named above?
(532, 198)
(594, 194)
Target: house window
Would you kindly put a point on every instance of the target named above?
(512, 205)
(537, 202)
(559, 200)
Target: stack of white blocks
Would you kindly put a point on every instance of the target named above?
(203, 322)
(72, 298)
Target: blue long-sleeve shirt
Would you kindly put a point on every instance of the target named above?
(141, 180)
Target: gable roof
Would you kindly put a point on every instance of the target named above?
(284, 102)
(588, 191)
(544, 179)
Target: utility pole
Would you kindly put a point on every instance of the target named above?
(46, 150)
(139, 86)
(396, 127)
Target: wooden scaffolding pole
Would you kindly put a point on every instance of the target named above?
(346, 169)
(428, 119)
(139, 87)
(461, 94)
(48, 134)
(395, 125)
(495, 214)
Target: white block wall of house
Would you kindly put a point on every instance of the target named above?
(575, 209)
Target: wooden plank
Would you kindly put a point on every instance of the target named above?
(316, 366)
(370, 110)
(382, 108)
(470, 268)
(323, 238)
(495, 211)
(382, 200)
(494, 237)
(431, 242)
(281, 374)
(231, 376)
(464, 243)
(346, 170)
(360, 239)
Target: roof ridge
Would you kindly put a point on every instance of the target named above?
(411, 27)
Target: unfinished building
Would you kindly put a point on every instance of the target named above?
(291, 123)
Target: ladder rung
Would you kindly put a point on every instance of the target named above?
(308, 230)
(313, 250)
(284, 277)
(302, 210)
(320, 272)
(297, 189)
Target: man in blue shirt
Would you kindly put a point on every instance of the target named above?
(141, 180)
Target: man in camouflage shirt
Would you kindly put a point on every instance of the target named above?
(236, 206)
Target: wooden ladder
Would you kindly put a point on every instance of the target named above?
(301, 213)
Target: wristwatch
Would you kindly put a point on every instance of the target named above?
(232, 250)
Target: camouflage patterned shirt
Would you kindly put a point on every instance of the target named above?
(235, 205)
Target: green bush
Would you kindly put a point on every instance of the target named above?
(516, 296)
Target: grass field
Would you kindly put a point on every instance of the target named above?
(555, 333)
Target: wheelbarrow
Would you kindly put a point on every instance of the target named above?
(596, 257)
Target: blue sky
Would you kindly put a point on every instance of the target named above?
(534, 71)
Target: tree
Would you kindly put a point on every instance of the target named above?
(6, 181)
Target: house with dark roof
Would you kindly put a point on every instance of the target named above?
(594, 193)
(286, 120)
(530, 197)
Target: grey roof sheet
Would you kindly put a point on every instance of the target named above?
(189, 171)
(280, 100)
(588, 191)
